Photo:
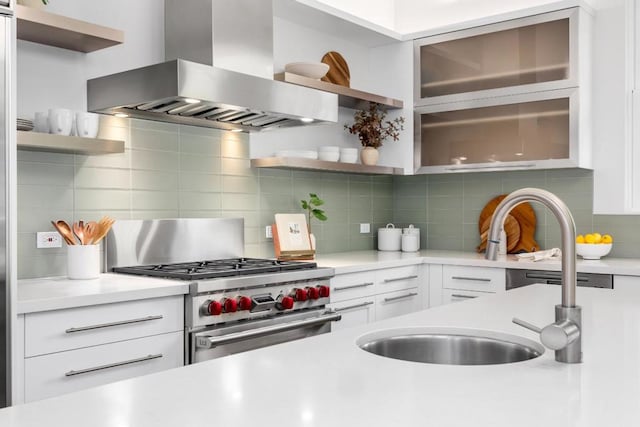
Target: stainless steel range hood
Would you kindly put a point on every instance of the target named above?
(219, 73)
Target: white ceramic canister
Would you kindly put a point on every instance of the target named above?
(410, 243)
(413, 231)
(389, 238)
(83, 262)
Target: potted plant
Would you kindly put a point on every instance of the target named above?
(311, 206)
(372, 130)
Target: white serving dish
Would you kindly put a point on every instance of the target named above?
(304, 154)
(329, 156)
(593, 250)
(313, 70)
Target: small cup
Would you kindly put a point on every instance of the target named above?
(60, 121)
(83, 262)
(41, 122)
(410, 243)
(87, 124)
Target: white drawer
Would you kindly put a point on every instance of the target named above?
(60, 330)
(56, 374)
(355, 312)
(394, 279)
(484, 279)
(457, 295)
(354, 285)
(394, 304)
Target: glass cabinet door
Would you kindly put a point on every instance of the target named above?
(527, 54)
(494, 136)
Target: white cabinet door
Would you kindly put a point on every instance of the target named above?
(483, 279)
(625, 283)
(55, 374)
(394, 304)
(354, 312)
(457, 295)
(395, 279)
(353, 285)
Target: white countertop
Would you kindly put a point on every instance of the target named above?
(328, 381)
(59, 292)
(351, 262)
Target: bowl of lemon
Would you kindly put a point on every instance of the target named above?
(593, 245)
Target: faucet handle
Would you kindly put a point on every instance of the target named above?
(555, 336)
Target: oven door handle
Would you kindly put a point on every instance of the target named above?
(211, 342)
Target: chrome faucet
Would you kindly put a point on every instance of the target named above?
(563, 336)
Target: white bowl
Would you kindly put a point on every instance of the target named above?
(348, 158)
(593, 250)
(349, 151)
(329, 148)
(305, 154)
(313, 70)
(328, 156)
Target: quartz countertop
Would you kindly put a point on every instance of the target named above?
(328, 381)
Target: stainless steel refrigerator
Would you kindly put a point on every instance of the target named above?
(7, 194)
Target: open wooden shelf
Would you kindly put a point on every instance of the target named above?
(347, 97)
(36, 141)
(39, 26)
(320, 165)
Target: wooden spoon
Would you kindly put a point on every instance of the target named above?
(78, 230)
(65, 231)
(90, 231)
(104, 225)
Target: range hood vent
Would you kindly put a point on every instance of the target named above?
(227, 84)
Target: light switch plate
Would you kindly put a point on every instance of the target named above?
(48, 239)
(365, 228)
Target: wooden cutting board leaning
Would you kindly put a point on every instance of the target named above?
(520, 226)
(338, 69)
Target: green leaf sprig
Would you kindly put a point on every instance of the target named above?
(311, 206)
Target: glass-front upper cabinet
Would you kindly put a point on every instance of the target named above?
(533, 53)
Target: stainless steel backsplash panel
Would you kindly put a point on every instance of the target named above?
(162, 241)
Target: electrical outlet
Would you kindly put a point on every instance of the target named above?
(365, 228)
(48, 239)
(267, 232)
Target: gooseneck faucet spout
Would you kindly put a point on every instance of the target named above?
(563, 336)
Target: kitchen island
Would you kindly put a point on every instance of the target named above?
(328, 381)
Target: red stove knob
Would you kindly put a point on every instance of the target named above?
(213, 308)
(324, 291)
(244, 303)
(286, 303)
(313, 293)
(230, 305)
(300, 294)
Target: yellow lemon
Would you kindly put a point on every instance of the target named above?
(597, 238)
(607, 239)
(589, 238)
(580, 238)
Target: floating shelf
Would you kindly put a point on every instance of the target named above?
(320, 165)
(36, 141)
(347, 97)
(39, 26)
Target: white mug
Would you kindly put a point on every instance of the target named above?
(87, 124)
(41, 122)
(60, 121)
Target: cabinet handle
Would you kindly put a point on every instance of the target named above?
(471, 279)
(109, 325)
(398, 279)
(463, 296)
(351, 307)
(412, 294)
(470, 168)
(361, 285)
(113, 365)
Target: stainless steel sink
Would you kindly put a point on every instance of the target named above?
(450, 346)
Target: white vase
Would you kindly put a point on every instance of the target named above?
(36, 4)
(369, 156)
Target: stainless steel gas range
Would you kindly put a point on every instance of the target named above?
(235, 303)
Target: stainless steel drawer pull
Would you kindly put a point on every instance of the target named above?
(471, 279)
(210, 342)
(361, 285)
(113, 365)
(351, 307)
(412, 294)
(109, 325)
(463, 296)
(398, 279)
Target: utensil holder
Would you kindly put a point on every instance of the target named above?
(83, 262)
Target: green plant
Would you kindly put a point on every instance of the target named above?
(371, 127)
(311, 206)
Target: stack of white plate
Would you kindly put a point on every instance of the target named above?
(24, 124)
(304, 154)
(348, 155)
(329, 153)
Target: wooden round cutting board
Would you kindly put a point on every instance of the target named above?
(526, 218)
(338, 69)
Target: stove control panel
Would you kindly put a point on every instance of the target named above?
(225, 306)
